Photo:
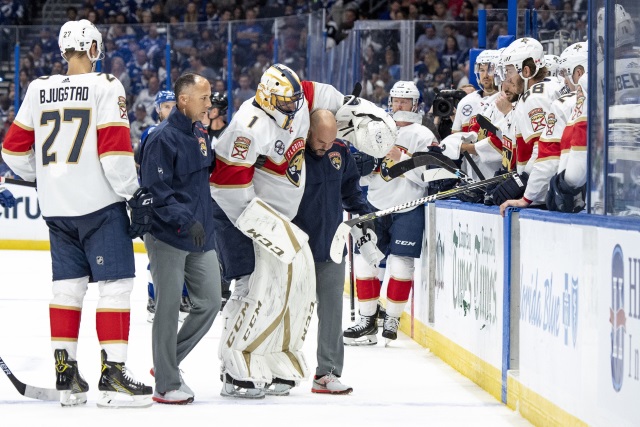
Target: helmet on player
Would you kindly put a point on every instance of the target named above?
(78, 36)
(406, 90)
(497, 69)
(486, 57)
(521, 50)
(219, 101)
(571, 57)
(164, 96)
(280, 94)
(552, 62)
(625, 27)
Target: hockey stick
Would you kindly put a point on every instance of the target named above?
(4, 180)
(344, 229)
(26, 390)
(486, 124)
(473, 165)
(352, 297)
(429, 158)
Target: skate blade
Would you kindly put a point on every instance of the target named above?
(366, 340)
(182, 316)
(150, 317)
(388, 341)
(67, 398)
(276, 392)
(238, 393)
(112, 399)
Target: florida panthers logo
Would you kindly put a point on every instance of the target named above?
(336, 159)
(295, 160)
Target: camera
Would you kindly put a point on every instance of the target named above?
(446, 100)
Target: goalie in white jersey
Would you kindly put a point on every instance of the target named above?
(72, 135)
(261, 154)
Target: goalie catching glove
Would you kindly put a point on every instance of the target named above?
(141, 205)
(364, 236)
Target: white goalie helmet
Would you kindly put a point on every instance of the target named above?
(521, 50)
(625, 27)
(78, 36)
(552, 62)
(487, 57)
(280, 94)
(571, 57)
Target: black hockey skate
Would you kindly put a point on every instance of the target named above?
(118, 389)
(362, 333)
(390, 328)
(381, 314)
(151, 310)
(73, 388)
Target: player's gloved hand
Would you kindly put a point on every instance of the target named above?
(366, 241)
(197, 232)
(6, 198)
(260, 161)
(364, 162)
(513, 188)
(471, 196)
(141, 205)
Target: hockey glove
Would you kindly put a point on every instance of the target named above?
(512, 189)
(260, 161)
(365, 239)
(6, 198)
(197, 232)
(364, 162)
(471, 196)
(562, 197)
(141, 205)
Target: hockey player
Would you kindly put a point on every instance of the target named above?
(273, 124)
(399, 236)
(552, 63)
(217, 116)
(74, 129)
(573, 64)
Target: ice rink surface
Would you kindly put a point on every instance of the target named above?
(401, 385)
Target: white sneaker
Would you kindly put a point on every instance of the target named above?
(173, 397)
(329, 384)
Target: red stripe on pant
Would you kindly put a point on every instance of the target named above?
(112, 325)
(65, 323)
(367, 289)
(398, 290)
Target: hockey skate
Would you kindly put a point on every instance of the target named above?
(73, 388)
(151, 310)
(390, 329)
(381, 313)
(279, 387)
(240, 389)
(329, 384)
(118, 389)
(362, 333)
(185, 307)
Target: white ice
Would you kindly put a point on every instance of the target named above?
(401, 385)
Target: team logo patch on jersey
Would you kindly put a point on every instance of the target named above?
(537, 118)
(336, 159)
(467, 110)
(203, 146)
(241, 148)
(279, 147)
(99, 260)
(507, 153)
(577, 110)
(551, 123)
(122, 105)
(295, 159)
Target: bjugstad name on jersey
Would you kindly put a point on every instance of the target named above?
(67, 93)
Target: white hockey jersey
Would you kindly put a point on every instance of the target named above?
(385, 192)
(467, 109)
(252, 132)
(72, 135)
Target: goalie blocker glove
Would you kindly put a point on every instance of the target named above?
(141, 205)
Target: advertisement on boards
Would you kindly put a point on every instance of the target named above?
(24, 220)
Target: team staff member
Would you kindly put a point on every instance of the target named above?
(175, 167)
(332, 184)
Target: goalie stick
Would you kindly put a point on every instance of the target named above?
(486, 124)
(26, 390)
(344, 229)
(4, 180)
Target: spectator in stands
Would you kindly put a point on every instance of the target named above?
(120, 72)
(451, 30)
(249, 31)
(5, 104)
(93, 17)
(197, 67)
(140, 124)
(441, 13)
(191, 19)
(152, 42)
(11, 12)
(380, 95)
(429, 40)
(546, 20)
(219, 86)
(450, 55)
(244, 91)
(391, 64)
(137, 69)
(182, 43)
(24, 80)
(211, 14)
(72, 13)
(468, 13)
(259, 67)
(49, 44)
(147, 96)
(390, 14)
(157, 14)
(56, 68)
(40, 64)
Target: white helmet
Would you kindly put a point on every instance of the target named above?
(571, 57)
(488, 57)
(406, 89)
(280, 94)
(78, 36)
(625, 27)
(497, 69)
(521, 50)
(552, 62)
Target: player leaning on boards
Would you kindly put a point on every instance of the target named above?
(74, 129)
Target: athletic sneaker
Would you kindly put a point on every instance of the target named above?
(73, 388)
(329, 384)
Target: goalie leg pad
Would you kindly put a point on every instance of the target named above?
(64, 313)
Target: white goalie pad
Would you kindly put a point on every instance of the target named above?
(270, 229)
(368, 127)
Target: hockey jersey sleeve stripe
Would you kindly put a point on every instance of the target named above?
(114, 140)
(309, 92)
(116, 153)
(274, 168)
(25, 127)
(19, 141)
(106, 125)
(231, 175)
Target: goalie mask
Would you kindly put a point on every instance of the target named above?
(405, 90)
(518, 52)
(280, 94)
(78, 36)
(573, 56)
